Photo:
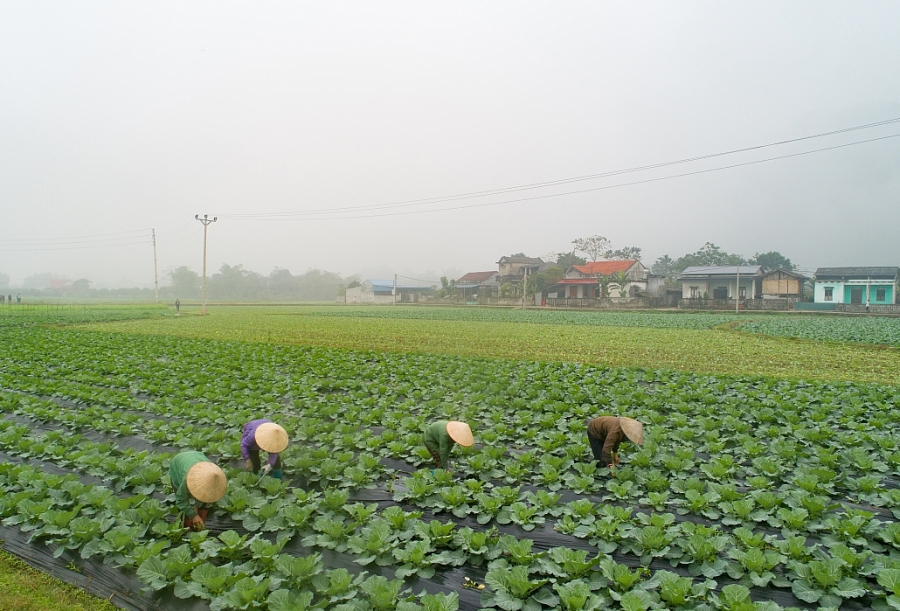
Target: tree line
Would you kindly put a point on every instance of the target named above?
(233, 282)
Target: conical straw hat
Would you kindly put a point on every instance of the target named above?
(460, 433)
(633, 429)
(206, 482)
(271, 438)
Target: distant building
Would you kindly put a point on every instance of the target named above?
(476, 286)
(857, 285)
(721, 282)
(382, 292)
(782, 284)
(583, 281)
(514, 269)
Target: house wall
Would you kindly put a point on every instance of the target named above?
(710, 286)
(781, 285)
(842, 291)
(819, 292)
(515, 269)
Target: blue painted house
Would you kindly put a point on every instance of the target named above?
(859, 285)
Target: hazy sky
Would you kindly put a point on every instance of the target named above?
(123, 116)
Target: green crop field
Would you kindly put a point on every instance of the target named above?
(865, 330)
(768, 478)
(682, 341)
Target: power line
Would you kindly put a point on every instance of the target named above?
(603, 188)
(426, 201)
(43, 248)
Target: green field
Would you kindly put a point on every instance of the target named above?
(681, 341)
(768, 479)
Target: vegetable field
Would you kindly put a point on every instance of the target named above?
(865, 330)
(683, 341)
(750, 492)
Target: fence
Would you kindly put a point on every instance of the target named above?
(729, 304)
(861, 308)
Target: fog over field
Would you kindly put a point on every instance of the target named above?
(297, 123)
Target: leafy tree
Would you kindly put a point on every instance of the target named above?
(604, 285)
(622, 280)
(535, 284)
(666, 266)
(81, 286)
(772, 260)
(628, 252)
(711, 254)
(317, 285)
(235, 282)
(281, 283)
(185, 282)
(552, 275)
(595, 247)
(565, 260)
(448, 287)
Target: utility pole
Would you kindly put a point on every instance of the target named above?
(737, 294)
(524, 287)
(155, 269)
(206, 221)
(394, 291)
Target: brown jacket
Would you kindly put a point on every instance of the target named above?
(606, 430)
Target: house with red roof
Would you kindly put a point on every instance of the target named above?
(617, 279)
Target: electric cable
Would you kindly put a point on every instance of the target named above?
(426, 201)
(594, 189)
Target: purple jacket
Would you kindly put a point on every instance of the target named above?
(248, 440)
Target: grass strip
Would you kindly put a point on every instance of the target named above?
(23, 588)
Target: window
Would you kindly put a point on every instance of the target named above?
(694, 292)
(743, 292)
(829, 293)
(879, 294)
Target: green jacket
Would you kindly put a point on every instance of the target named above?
(178, 470)
(437, 439)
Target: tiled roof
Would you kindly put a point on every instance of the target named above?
(476, 277)
(528, 260)
(388, 285)
(605, 268)
(785, 271)
(856, 272)
(721, 270)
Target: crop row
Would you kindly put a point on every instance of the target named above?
(775, 471)
(394, 536)
(864, 330)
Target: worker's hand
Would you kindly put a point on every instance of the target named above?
(197, 523)
(248, 466)
(612, 470)
(267, 469)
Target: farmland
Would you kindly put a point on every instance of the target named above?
(686, 342)
(778, 488)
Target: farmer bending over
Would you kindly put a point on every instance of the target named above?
(440, 436)
(198, 483)
(607, 432)
(267, 436)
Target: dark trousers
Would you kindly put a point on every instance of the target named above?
(596, 448)
(436, 455)
(201, 511)
(254, 460)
